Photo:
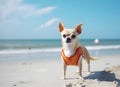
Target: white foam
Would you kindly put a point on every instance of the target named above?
(25, 51)
(102, 47)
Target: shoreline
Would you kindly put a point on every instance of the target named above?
(32, 54)
(47, 73)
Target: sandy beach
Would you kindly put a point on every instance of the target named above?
(105, 72)
(35, 33)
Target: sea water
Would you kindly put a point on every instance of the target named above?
(51, 48)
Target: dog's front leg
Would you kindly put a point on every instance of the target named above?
(64, 71)
(80, 69)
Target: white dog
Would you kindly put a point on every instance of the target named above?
(72, 52)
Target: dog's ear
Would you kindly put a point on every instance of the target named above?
(78, 29)
(61, 27)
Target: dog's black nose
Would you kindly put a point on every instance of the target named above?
(68, 40)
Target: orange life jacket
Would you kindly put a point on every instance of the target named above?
(73, 60)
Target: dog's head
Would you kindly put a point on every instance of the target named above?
(69, 36)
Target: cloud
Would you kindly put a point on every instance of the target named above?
(48, 23)
(15, 10)
(18, 18)
(44, 10)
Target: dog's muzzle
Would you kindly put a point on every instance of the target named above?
(68, 40)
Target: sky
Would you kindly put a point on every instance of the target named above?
(38, 19)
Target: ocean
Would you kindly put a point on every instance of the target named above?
(45, 48)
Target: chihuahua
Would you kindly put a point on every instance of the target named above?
(72, 52)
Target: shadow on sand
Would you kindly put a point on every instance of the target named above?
(103, 76)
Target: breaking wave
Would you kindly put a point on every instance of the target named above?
(25, 51)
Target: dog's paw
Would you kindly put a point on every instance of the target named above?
(63, 78)
(81, 78)
(88, 73)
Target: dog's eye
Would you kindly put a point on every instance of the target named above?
(73, 36)
(64, 35)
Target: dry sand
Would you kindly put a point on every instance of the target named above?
(47, 73)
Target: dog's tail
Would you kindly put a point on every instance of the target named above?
(93, 58)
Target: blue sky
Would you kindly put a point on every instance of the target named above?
(38, 19)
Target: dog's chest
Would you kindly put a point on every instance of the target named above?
(68, 50)
(69, 53)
